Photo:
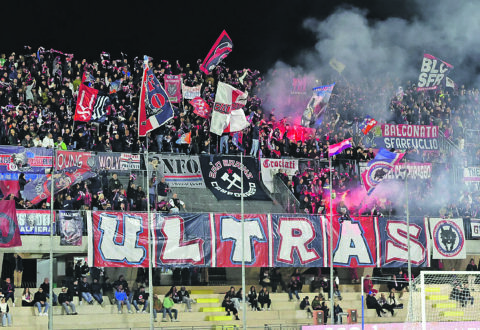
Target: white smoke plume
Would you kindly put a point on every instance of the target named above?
(390, 48)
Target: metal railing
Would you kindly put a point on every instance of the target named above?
(284, 196)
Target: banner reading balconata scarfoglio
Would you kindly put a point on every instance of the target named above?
(271, 240)
(406, 137)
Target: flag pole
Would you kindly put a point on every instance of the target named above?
(149, 238)
(331, 240)
(52, 214)
(244, 303)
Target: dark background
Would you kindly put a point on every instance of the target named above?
(262, 31)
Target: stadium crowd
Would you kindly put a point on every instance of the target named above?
(38, 94)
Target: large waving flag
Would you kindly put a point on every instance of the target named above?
(313, 113)
(337, 148)
(379, 167)
(9, 227)
(90, 105)
(367, 124)
(200, 107)
(432, 73)
(220, 49)
(154, 109)
(228, 115)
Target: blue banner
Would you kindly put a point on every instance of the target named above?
(183, 240)
(393, 242)
(26, 160)
(298, 240)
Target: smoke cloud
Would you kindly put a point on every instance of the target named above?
(390, 48)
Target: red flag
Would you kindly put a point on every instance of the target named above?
(10, 187)
(85, 103)
(10, 236)
(200, 107)
(220, 49)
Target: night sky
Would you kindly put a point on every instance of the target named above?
(262, 31)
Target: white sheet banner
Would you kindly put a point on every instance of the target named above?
(270, 167)
(448, 238)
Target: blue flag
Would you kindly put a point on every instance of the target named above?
(155, 109)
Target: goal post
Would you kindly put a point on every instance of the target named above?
(445, 296)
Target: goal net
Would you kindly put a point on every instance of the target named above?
(446, 296)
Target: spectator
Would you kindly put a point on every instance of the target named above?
(253, 299)
(337, 310)
(168, 309)
(173, 292)
(293, 289)
(264, 298)
(8, 290)
(184, 296)
(157, 306)
(27, 298)
(40, 300)
(396, 285)
(5, 312)
(276, 279)
(368, 285)
(305, 305)
(176, 204)
(46, 287)
(229, 307)
(107, 289)
(65, 299)
(162, 190)
(122, 299)
(384, 303)
(372, 303)
(96, 291)
(86, 291)
(233, 297)
(471, 267)
(140, 298)
(75, 291)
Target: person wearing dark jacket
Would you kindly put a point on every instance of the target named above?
(305, 305)
(140, 298)
(85, 289)
(8, 290)
(264, 298)
(252, 298)
(372, 303)
(107, 289)
(75, 291)
(40, 300)
(96, 290)
(184, 296)
(293, 289)
(65, 299)
(230, 308)
(46, 287)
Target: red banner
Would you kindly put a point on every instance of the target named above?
(357, 246)
(85, 103)
(119, 239)
(228, 247)
(10, 233)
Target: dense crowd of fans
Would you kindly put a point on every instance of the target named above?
(38, 93)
